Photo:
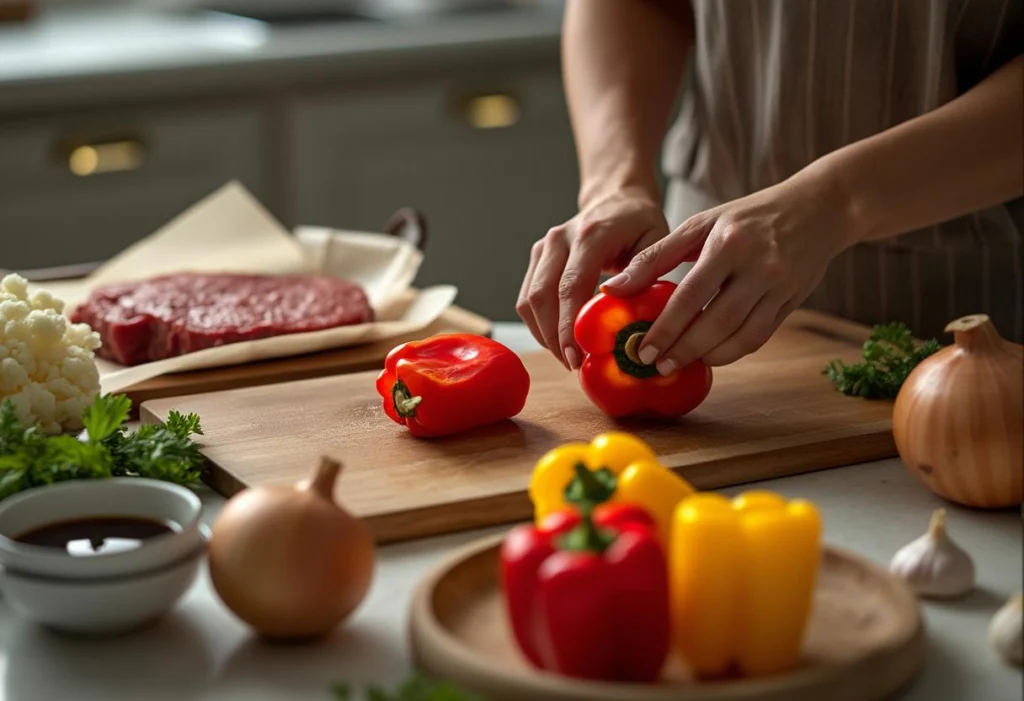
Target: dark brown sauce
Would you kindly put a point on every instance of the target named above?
(97, 536)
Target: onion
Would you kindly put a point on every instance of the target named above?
(289, 561)
(959, 418)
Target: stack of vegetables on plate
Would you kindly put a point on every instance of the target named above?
(626, 563)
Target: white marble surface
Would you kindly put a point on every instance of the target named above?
(201, 652)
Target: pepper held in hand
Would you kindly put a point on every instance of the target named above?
(587, 596)
(452, 382)
(609, 331)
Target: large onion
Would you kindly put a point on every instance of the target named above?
(289, 561)
(959, 418)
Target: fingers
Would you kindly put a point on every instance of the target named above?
(759, 326)
(660, 257)
(522, 303)
(582, 271)
(691, 296)
(725, 314)
(542, 294)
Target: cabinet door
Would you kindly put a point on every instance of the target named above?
(143, 169)
(489, 160)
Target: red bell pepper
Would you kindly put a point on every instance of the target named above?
(587, 594)
(609, 331)
(452, 382)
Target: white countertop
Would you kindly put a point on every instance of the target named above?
(201, 652)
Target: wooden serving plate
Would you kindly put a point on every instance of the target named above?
(865, 641)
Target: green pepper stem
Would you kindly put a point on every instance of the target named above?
(589, 487)
(627, 347)
(632, 347)
(586, 537)
(405, 404)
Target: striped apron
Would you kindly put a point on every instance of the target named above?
(776, 84)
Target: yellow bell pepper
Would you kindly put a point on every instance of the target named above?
(742, 574)
(640, 478)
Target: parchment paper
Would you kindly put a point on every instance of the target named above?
(229, 231)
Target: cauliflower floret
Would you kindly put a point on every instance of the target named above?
(15, 286)
(47, 366)
(44, 301)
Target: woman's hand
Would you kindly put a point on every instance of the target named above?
(757, 258)
(566, 265)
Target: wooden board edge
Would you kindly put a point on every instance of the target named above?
(515, 507)
(436, 520)
(790, 460)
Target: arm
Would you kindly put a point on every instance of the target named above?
(623, 62)
(760, 256)
(960, 158)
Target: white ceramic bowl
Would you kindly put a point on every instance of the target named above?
(123, 496)
(100, 606)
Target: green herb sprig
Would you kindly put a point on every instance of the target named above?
(417, 687)
(30, 458)
(890, 354)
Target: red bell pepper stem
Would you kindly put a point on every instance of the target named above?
(405, 403)
(586, 491)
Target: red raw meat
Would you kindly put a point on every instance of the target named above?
(182, 313)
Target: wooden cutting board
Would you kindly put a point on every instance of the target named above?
(769, 415)
(369, 356)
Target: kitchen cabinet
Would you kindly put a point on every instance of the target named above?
(137, 169)
(485, 153)
(461, 116)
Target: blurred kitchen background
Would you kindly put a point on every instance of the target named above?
(116, 117)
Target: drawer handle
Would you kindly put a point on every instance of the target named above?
(106, 157)
(496, 111)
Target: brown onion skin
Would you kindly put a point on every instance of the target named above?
(290, 562)
(958, 421)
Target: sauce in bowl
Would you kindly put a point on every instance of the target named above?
(92, 536)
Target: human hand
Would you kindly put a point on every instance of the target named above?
(757, 259)
(566, 265)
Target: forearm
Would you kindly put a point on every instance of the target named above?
(623, 62)
(957, 159)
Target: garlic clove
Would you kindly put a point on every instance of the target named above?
(933, 565)
(1005, 631)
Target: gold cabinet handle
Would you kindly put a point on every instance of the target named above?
(116, 156)
(492, 111)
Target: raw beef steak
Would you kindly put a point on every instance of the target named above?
(182, 313)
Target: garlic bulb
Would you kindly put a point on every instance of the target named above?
(933, 565)
(1005, 631)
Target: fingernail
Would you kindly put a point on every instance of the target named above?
(667, 366)
(571, 357)
(648, 354)
(617, 280)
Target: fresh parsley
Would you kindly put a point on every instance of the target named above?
(890, 354)
(29, 458)
(416, 688)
